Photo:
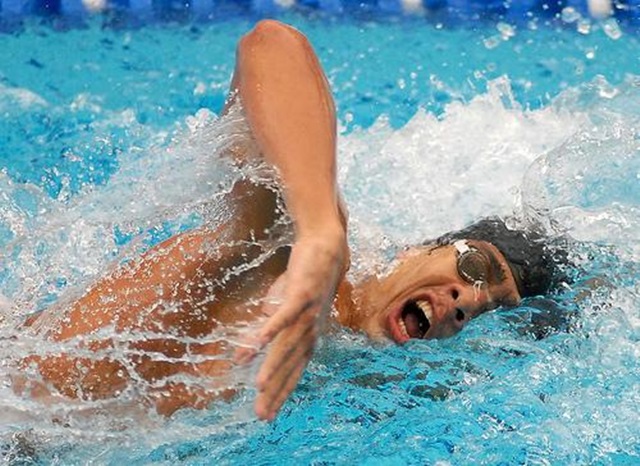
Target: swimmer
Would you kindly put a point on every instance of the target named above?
(168, 300)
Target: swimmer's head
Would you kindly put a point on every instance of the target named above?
(526, 253)
(433, 291)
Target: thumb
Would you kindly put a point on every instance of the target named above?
(275, 296)
(250, 343)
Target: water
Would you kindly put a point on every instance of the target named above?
(105, 150)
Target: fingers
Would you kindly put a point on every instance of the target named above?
(275, 295)
(250, 343)
(268, 405)
(246, 350)
(295, 309)
(308, 282)
(284, 352)
(281, 372)
(283, 366)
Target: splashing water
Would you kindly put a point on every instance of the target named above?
(517, 386)
(589, 186)
(55, 249)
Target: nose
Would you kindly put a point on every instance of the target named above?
(452, 315)
(457, 318)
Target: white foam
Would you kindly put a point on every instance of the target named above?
(438, 174)
(21, 97)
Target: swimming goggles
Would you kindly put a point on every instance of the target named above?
(473, 266)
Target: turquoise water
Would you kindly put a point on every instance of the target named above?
(439, 125)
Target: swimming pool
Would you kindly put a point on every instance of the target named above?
(441, 123)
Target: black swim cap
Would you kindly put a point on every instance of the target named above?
(526, 253)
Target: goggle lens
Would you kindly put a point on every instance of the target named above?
(472, 265)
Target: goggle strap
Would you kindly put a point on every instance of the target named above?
(461, 246)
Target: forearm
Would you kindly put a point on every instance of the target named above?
(291, 114)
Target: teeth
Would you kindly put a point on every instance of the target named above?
(425, 307)
(403, 328)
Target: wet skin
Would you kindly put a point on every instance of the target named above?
(424, 296)
(279, 79)
(377, 306)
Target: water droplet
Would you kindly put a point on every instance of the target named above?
(584, 26)
(492, 42)
(570, 15)
(506, 30)
(200, 88)
(607, 91)
(612, 29)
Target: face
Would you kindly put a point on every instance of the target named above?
(434, 292)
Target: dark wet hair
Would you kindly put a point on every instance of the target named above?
(532, 263)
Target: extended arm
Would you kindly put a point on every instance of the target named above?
(169, 289)
(291, 114)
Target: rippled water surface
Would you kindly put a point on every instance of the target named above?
(107, 140)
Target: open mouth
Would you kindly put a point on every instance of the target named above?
(414, 320)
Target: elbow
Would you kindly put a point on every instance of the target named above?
(271, 33)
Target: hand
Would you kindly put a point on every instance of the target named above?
(298, 304)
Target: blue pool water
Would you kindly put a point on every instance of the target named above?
(440, 124)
